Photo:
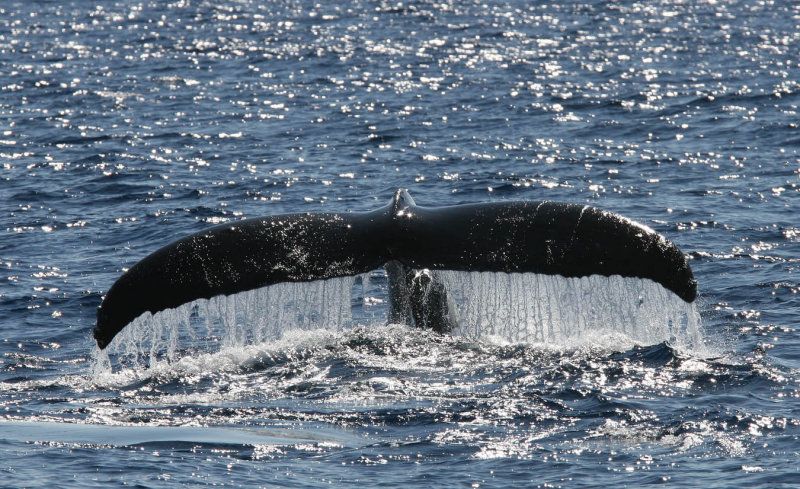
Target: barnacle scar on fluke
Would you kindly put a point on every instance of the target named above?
(408, 240)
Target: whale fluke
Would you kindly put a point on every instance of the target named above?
(514, 237)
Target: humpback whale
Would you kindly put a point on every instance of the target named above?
(409, 241)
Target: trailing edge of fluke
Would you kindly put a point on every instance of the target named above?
(525, 236)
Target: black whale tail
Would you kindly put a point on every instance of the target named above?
(514, 237)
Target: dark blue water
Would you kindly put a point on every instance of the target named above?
(125, 125)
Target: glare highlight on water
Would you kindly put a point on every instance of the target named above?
(125, 125)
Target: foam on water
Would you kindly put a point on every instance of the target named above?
(546, 310)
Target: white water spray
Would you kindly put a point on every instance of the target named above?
(250, 317)
(554, 310)
(515, 308)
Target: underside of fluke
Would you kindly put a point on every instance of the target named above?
(408, 240)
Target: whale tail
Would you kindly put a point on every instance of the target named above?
(409, 240)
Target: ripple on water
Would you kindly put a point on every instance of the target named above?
(127, 125)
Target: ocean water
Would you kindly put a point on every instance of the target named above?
(127, 124)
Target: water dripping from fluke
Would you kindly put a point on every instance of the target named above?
(548, 311)
(531, 272)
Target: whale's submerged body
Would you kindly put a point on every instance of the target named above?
(408, 240)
